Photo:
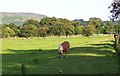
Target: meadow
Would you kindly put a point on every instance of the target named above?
(87, 55)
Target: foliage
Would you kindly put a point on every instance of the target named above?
(117, 28)
(42, 31)
(109, 28)
(77, 27)
(57, 26)
(88, 30)
(14, 28)
(77, 30)
(97, 23)
(7, 32)
(28, 31)
(49, 26)
(115, 9)
(32, 22)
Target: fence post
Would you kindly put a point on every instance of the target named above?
(118, 45)
(116, 42)
(118, 48)
(23, 69)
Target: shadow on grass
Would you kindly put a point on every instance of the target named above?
(107, 45)
(94, 59)
(31, 51)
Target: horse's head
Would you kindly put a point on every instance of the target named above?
(60, 49)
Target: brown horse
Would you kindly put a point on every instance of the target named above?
(63, 48)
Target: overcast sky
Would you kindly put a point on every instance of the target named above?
(70, 9)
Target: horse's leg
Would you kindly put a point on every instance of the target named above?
(60, 55)
(65, 54)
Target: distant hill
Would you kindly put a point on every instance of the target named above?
(82, 22)
(18, 18)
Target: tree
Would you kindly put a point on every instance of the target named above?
(42, 31)
(57, 26)
(32, 22)
(14, 28)
(116, 15)
(117, 28)
(77, 30)
(29, 28)
(67, 26)
(28, 31)
(7, 32)
(97, 22)
(77, 27)
(45, 26)
(115, 9)
(108, 28)
(88, 30)
(46, 21)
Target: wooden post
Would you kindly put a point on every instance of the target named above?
(116, 39)
(23, 69)
(118, 54)
(116, 43)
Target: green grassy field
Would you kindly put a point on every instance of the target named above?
(88, 55)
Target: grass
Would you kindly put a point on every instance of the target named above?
(88, 55)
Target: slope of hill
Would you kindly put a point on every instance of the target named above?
(18, 18)
(82, 22)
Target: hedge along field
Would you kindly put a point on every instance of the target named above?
(88, 55)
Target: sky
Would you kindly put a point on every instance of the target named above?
(69, 9)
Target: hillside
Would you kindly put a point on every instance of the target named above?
(18, 17)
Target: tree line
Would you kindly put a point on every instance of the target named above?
(52, 26)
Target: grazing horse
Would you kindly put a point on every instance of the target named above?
(63, 48)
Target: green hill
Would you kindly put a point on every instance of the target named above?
(18, 17)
